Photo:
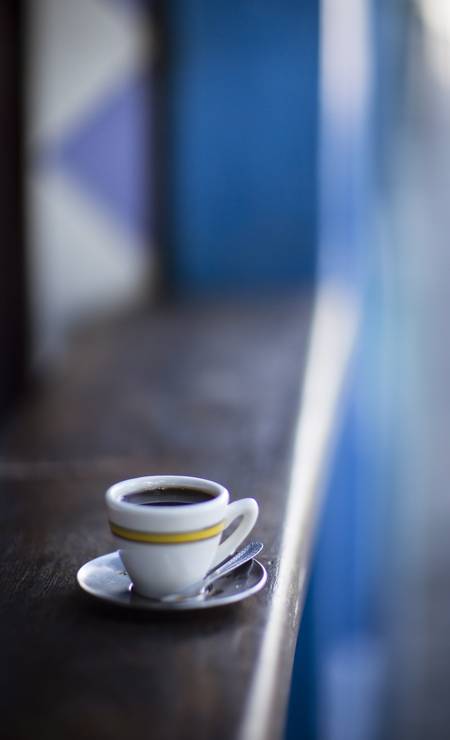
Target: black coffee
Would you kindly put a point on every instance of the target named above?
(168, 497)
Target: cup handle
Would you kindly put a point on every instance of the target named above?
(248, 509)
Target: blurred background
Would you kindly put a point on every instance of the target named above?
(194, 147)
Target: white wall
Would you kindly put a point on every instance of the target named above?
(88, 118)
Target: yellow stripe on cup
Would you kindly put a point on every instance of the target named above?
(169, 538)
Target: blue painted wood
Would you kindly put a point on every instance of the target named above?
(339, 627)
(340, 635)
(329, 613)
(241, 136)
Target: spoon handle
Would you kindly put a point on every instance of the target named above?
(198, 589)
(247, 553)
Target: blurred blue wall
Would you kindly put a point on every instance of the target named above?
(338, 669)
(242, 131)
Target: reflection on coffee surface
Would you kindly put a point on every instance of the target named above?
(168, 497)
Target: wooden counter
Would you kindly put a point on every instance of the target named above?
(205, 389)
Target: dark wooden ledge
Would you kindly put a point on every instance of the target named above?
(204, 389)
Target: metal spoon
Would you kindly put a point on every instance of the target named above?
(247, 553)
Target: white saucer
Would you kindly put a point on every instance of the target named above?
(106, 579)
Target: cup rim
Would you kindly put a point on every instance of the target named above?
(117, 490)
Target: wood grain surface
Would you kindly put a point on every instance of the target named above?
(207, 389)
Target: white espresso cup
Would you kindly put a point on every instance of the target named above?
(168, 529)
